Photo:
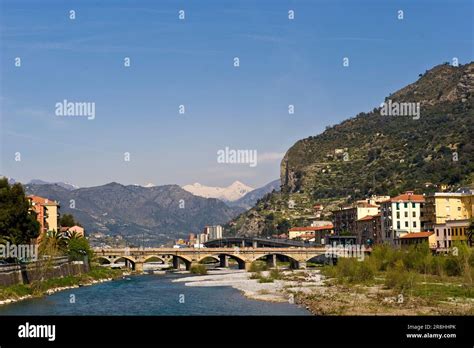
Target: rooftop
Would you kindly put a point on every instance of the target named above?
(42, 200)
(416, 235)
(409, 197)
(311, 228)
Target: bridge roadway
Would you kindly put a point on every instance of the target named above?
(136, 257)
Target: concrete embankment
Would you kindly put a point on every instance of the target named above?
(40, 270)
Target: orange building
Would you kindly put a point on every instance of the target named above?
(47, 213)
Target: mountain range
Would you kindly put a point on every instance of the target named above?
(230, 193)
(148, 215)
(250, 199)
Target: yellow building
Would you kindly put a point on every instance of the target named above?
(450, 232)
(444, 206)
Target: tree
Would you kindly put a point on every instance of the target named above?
(17, 222)
(53, 244)
(470, 233)
(78, 248)
(283, 226)
(67, 220)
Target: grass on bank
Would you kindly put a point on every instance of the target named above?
(39, 288)
(258, 268)
(414, 271)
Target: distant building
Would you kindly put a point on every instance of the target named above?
(444, 206)
(345, 219)
(213, 232)
(319, 223)
(417, 238)
(202, 238)
(318, 209)
(73, 229)
(369, 229)
(449, 232)
(47, 213)
(317, 234)
(402, 214)
(192, 239)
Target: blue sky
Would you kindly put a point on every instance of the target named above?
(190, 62)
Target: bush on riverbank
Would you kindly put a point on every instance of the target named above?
(268, 277)
(198, 269)
(401, 269)
(258, 266)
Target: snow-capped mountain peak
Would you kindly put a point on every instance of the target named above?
(230, 193)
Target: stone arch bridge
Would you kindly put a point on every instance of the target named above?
(136, 257)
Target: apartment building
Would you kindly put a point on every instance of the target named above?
(47, 213)
(345, 219)
(402, 214)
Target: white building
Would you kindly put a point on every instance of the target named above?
(401, 215)
(213, 232)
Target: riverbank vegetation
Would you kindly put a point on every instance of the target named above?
(198, 269)
(40, 288)
(397, 282)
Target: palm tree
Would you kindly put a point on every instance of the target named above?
(53, 243)
(73, 235)
(4, 240)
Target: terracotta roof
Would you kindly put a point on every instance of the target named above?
(311, 228)
(408, 198)
(41, 200)
(366, 205)
(416, 235)
(368, 217)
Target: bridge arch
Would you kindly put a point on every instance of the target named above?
(102, 260)
(213, 257)
(151, 258)
(240, 260)
(129, 261)
(271, 259)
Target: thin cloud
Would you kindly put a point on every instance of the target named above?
(268, 157)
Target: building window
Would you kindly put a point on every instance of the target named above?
(406, 223)
(398, 206)
(444, 230)
(405, 205)
(406, 214)
(398, 215)
(414, 224)
(449, 231)
(437, 233)
(413, 205)
(398, 224)
(414, 214)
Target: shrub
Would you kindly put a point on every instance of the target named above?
(453, 266)
(276, 274)
(353, 271)
(198, 269)
(256, 275)
(398, 277)
(258, 266)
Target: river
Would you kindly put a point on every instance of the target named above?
(149, 295)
